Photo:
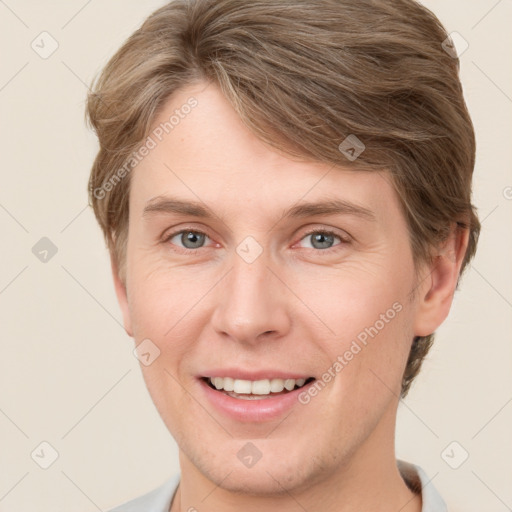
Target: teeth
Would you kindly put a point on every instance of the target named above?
(242, 386)
(255, 387)
(289, 384)
(260, 387)
(229, 383)
(276, 385)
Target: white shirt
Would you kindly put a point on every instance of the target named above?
(160, 499)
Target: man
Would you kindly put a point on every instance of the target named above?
(285, 189)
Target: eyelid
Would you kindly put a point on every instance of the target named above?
(343, 235)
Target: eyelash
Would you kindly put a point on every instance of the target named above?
(185, 250)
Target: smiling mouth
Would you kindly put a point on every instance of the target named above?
(255, 389)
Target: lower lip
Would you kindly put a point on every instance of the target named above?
(265, 409)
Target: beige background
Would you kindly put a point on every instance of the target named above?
(67, 373)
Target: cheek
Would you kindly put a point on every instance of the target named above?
(348, 301)
(366, 321)
(161, 299)
(163, 307)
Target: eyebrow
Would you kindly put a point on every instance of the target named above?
(162, 204)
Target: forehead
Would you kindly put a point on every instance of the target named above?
(205, 153)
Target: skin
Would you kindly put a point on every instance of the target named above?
(296, 308)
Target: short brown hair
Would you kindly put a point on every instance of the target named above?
(303, 75)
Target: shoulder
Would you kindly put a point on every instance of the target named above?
(158, 500)
(418, 481)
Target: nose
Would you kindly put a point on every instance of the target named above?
(252, 303)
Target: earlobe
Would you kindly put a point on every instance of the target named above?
(122, 296)
(439, 282)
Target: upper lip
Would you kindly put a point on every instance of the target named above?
(237, 373)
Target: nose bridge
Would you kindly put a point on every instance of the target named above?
(250, 302)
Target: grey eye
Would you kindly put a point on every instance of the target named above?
(190, 239)
(321, 240)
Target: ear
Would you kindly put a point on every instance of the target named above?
(439, 282)
(122, 297)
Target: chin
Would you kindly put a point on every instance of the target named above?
(265, 480)
(281, 468)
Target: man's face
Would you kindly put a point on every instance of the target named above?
(260, 290)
